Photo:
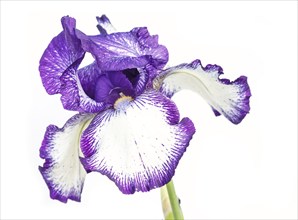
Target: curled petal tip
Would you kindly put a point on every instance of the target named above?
(229, 98)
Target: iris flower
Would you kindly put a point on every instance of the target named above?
(126, 126)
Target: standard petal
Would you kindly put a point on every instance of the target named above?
(61, 53)
(62, 170)
(139, 144)
(104, 25)
(110, 86)
(88, 76)
(127, 50)
(225, 97)
(74, 97)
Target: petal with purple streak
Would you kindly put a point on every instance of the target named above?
(74, 97)
(138, 144)
(61, 53)
(109, 87)
(88, 77)
(225, 97)
(125, 50)
(138, 77)
(62, 170)
(104, 25)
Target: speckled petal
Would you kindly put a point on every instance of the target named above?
(62, 170)
(125, 50)
(61, 53)
(139, 144)
(104, 25)
(74, 97)
(225, 97)
(88, 76)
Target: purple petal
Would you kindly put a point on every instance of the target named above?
(119, 80)
(139, 144)
(138, 78)
(103, 88)
(61, 53)
(62, 170)
(73, 96)
(111, 85)
(228, 98)
(119, 51)
(104, 25)
(88, 76)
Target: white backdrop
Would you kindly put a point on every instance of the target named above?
(248, 171)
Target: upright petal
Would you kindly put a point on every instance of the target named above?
(138, 144)
(88, 76)
(110, 86)
(225, 97)
(62, 170)
(73, 96)
(127, 50)
(104, 25)
(61, 53)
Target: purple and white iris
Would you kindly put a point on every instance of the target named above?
(127, 127)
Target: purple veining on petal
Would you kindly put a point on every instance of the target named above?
(242, 108)
(149, 146)
(104, 25)
(61, 53)
(57, 167)
(103, 88)
(73, 96)
(88, 76)
(230, 98)
(125, 50)
(159, 55)
(138, 78)
(119, 80)
(110, 86)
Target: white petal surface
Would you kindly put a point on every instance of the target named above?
(62, 170)
(228, 98)
(139, 144)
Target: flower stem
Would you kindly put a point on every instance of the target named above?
(170, 202)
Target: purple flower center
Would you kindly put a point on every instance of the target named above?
(133, 75)
(115, 84)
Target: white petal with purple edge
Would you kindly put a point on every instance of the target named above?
(137, 145)
(228, 98)
(62, 170)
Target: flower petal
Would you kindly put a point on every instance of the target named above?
(139, 145)
(228, 98)
(88, 76)
(62, 170)
(119, 51)
(104, 25)
(73, 95)
(61, 53)
(109, 87)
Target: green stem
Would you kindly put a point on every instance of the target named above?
(170, 202)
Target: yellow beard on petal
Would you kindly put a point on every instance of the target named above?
(122, 100)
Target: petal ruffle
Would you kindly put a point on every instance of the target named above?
(62, 170)
(61, 53)
(225, 97)
(139, 145)
(126, 50)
